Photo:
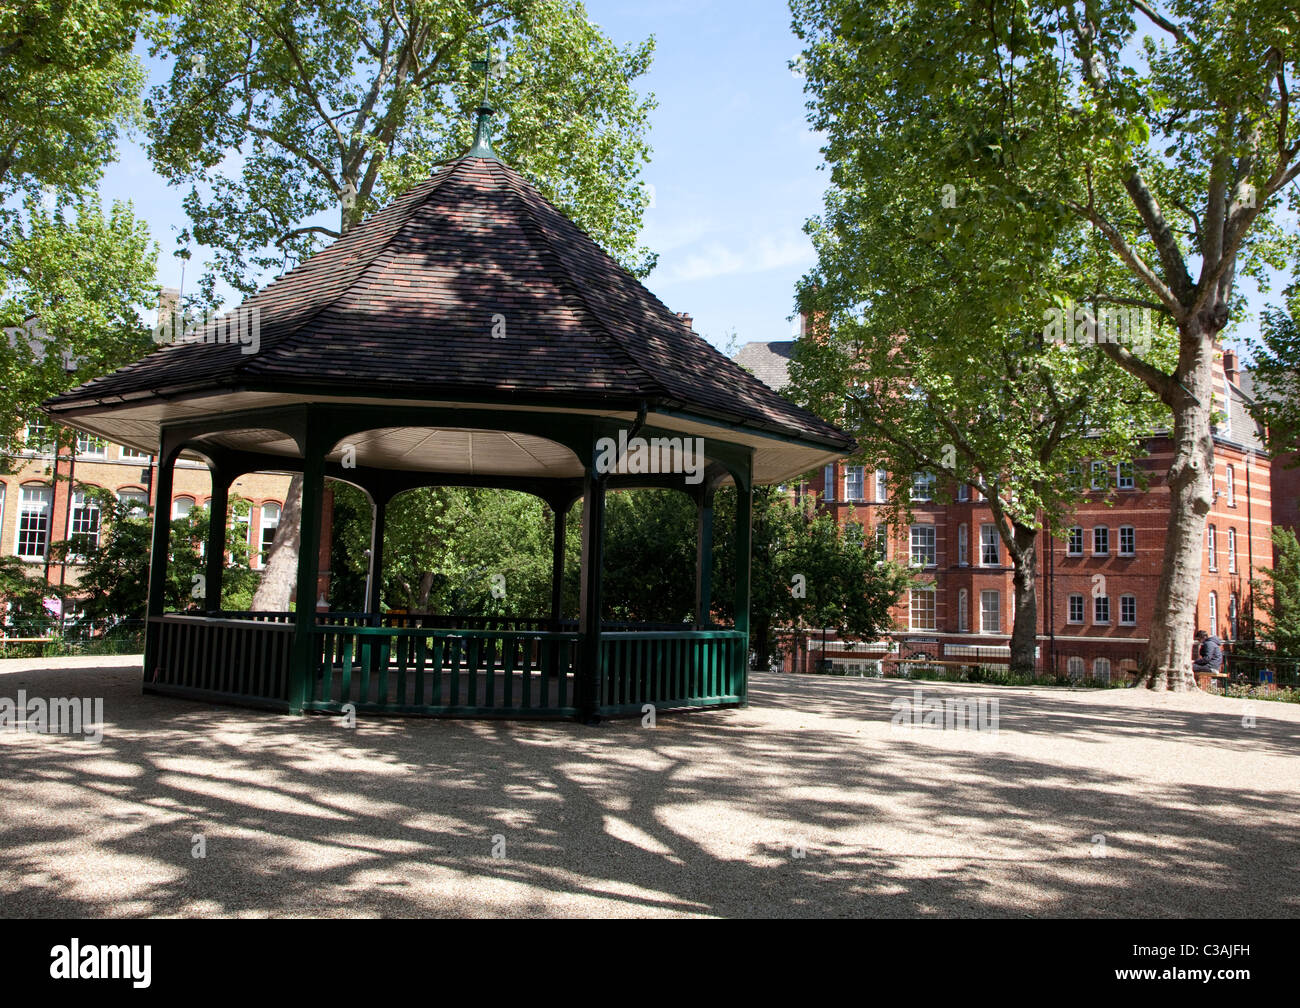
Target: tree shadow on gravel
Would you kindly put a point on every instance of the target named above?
(706, 814)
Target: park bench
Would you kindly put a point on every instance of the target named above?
(945, 662)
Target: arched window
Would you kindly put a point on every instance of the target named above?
(1211, 549)
(1214, 613)
(182, 506)
(1232, 616)
(85, 519)
(136, 501)
(1101, 669)
(963, 609)
(1074, 668)
(1232, 551)
(270, 522)
(963, 546)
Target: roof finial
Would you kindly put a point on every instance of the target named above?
(483, 126)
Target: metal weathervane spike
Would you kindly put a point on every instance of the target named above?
(483, 126)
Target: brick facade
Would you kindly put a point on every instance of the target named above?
(1104, 567)
(115, 468)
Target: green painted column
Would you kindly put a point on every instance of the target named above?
(302, 667)
(559, 531)
(375, 577)
(589, 608)
(743, 545)
(215, 549)
(162, 527)
(704, 559)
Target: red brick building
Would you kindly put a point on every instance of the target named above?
(41, 502)
(1097, 586)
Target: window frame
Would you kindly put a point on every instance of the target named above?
(996, 545)
(1071, 599)
(1098, 602)
(1104, 530)
(47, 510)
(1132, 535)
(933, 545)
(861, 496)
(88, 504)
(912, 609)
(996, 595)
(90, 453)
(1128, 601)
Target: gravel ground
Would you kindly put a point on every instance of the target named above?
(1083, 803)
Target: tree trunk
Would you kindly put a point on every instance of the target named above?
(1168, 660)
(1024, 580)
(275, 590)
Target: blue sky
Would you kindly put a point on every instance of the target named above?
(735, 169)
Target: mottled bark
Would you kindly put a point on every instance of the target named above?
(275, 590)
(1024, 579)
(1168, 661)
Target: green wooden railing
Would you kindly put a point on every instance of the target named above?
(442, 671)
(244, 661)
(396, 669)
(692, 668)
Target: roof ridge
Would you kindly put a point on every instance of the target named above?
(757, 387)
(559, 260)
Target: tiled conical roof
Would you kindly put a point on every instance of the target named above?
(406, 304)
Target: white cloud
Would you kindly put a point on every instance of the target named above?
(715, 259)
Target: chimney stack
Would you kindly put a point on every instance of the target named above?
(168, 303)
(686, 318)
(1230, 366)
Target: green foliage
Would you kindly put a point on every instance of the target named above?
(985, 169)
(1277, 594)
(444, 547)
(22, 587)
(349, 562)
(114, 573)
(1241, 691)
(1276, 375)
(71, 284)
(339, 108)
(68, 82)
(649, 571)
(71, 276)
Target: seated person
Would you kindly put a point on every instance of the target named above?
(1209, 653)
